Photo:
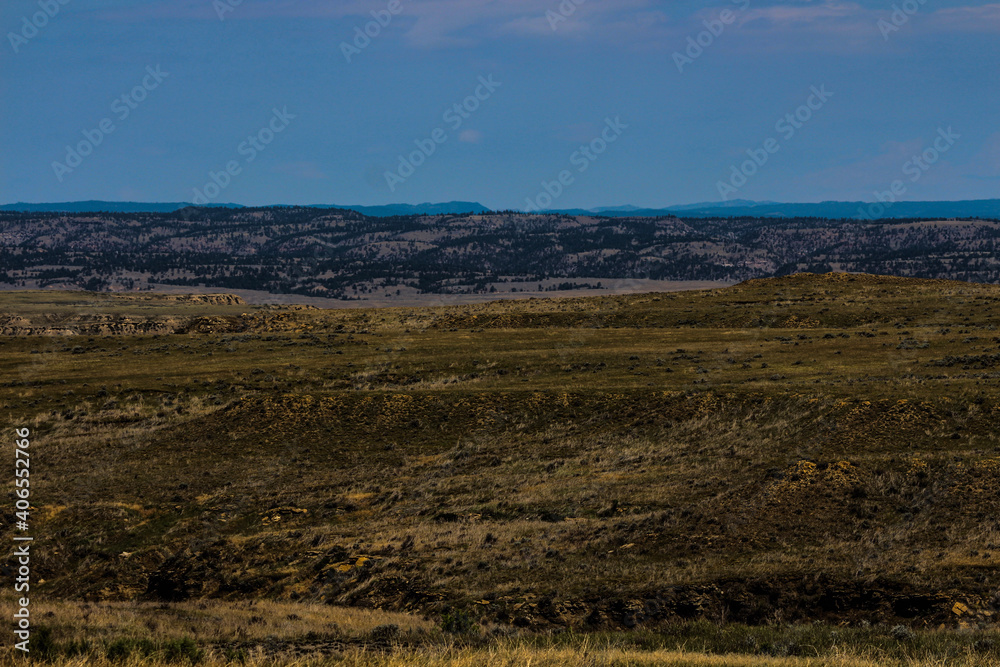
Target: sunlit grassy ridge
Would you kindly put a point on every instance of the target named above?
(266, 633)
(259, 634)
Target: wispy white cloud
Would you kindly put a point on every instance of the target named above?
(984, 18)
(790, 24)
(427, 23)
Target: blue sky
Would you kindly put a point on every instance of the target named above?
(684, 122)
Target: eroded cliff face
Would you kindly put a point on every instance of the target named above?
(97, 325)
(203, 299)
(99, 318)
(114, 325)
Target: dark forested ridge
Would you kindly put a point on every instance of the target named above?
(341, 254)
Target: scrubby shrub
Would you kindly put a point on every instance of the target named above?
(457, 622)
(182, 650)
(119, 650)
(43, 647)
(984, 645)
(384, 632)
(122, 649)
(76, 647)
(235, 655)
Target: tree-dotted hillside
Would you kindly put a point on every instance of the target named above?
(344, 254)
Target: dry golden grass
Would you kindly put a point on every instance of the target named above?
(214, 621)
(520, 655)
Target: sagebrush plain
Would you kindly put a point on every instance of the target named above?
(789, 471)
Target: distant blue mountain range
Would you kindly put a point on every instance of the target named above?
(985, 208)
(103, 207)
(446, 208)
(170, 207)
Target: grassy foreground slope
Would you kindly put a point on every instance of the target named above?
(786, 450)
